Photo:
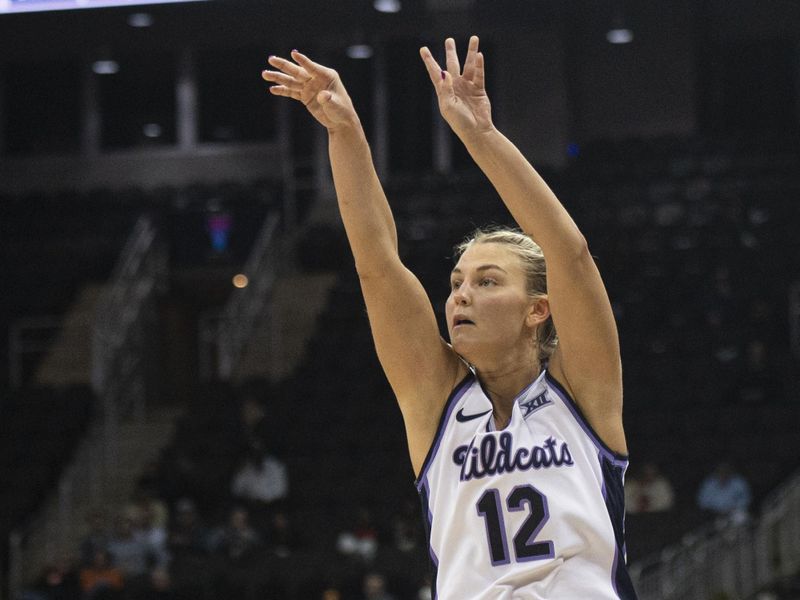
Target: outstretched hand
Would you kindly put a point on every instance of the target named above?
(462, 94)
(319, 88)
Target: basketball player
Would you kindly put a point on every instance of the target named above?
(515, 435)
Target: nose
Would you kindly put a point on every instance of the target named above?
(460, 296)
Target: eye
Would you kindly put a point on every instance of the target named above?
(455, 284)
(488, 281)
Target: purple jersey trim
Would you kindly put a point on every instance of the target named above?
(616, 458)
(455, 396)
(616, 546)
(614, 497)
(425, 494)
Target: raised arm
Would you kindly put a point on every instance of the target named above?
(420, 366)
(587, 361)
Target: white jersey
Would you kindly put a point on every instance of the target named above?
(534, 511)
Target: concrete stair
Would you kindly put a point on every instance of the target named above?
(95, 479)
(69, 359)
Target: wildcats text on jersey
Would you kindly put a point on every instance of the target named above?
(493, 457)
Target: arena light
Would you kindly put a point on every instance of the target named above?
(240, 281)
(105, 67)
(620, 35)
(620, 31)
(388, 6)
(152, 130)
(140, 19)
(105, 62)
(359, 51)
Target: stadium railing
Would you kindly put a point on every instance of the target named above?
(121, 335)
(729, 559)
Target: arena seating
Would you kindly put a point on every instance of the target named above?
(697, 244)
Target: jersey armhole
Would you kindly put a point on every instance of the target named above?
(447, 411)
(615, 457)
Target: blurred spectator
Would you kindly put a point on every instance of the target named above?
(160, 587)
(331, 592)
(253, 419)
(131, 553)
(97, 538)
(57, 582)
(261, 482)
(101, 579)
(237, 541)
(375, 587)
(238, 545)
(362, 540)
(650, 492)
(283, 539)
(725, 493)
(152, 533)
(187, 534)
(406, 529)
(424, 592)
(147, 506)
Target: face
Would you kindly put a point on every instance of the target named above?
(489, 309)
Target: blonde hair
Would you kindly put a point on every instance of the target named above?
(535, 269)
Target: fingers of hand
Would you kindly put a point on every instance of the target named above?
(289, 68)
(453, 66)
(283, 79)
(311, 67)
(282, 90)
(479, 78)
(434, 70)
(471, 59)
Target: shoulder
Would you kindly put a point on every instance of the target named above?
(426, 415)
(459, 408)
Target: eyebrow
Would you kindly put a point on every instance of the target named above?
(481, 268)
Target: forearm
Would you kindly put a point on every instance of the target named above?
(530, 200)
(363, 206)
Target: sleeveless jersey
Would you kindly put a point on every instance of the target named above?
(534, 511)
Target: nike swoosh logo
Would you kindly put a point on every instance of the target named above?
(462, 418)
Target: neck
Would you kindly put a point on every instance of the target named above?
(503, 382)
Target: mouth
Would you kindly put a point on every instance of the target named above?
(461, 321)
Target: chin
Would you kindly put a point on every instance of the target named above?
(465, 350)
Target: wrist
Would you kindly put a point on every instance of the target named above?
(348, 126)
(479, 135)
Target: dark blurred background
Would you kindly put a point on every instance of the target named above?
(190, 402)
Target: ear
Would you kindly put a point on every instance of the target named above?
(538, 312)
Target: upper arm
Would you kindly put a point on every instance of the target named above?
(587, 359)
(420, 366)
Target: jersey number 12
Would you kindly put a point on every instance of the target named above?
(525, 546)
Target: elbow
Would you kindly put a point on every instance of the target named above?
(373, 268)
(367, 273)
(375, 260)
(581, 245)
(578, 248)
